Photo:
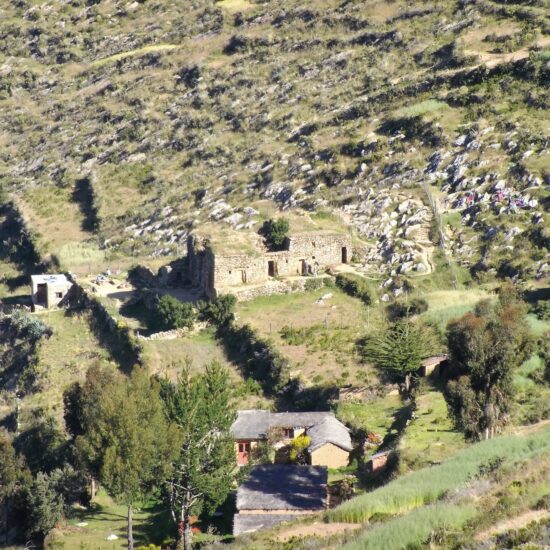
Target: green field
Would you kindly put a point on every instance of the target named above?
(430, 436)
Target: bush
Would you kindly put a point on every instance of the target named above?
(398, 310)
(357, 286)
(171, 313)
(542, 310)
(314, 284)
(275, 232)
(220, 311)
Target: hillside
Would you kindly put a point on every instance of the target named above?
(418, 131)
(141, 121)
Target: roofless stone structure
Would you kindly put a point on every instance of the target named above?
(243, 266)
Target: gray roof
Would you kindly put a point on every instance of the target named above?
(50, 279)
(284, 487)
(248, 523)
(330, 430)
(322, 427)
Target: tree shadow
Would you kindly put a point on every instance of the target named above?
(83, 195)
(157, 527)
(534, 295)
(117, 342)
(17, 247)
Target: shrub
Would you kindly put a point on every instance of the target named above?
(355, 285)
(275, 232)
(171, 313)
(220, 311)
(314, 284)
(542, 310)
(398, 310)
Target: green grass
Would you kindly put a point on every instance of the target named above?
(414, 528)
(521, 376)
(328, 354)
(423, 108)
(62, 359)
(428, 485)
(76, 254)
(444, 305)
(105, 518)
(538, 326)
(430, 437)
(375, 416)
(133, 53)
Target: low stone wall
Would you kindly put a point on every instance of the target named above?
(115, 336)
(244, 293)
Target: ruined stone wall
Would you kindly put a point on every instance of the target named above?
(324, 249)
(200, 265)
(240, 269)
(228, 273)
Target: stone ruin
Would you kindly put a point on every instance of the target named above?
(215, 270)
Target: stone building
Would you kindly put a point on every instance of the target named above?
(227, 265)
(49, 291)
(330, 441)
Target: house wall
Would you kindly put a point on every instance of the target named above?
(330, 455)
(55, 294)
(324, 249)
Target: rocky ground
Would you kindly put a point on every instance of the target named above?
(419, 124)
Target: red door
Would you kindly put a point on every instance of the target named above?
(243, 450)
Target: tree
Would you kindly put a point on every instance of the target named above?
(219, 311)
(171, 313)
(44, 505)
(485, 346)
(203, 472)
(13, 478)
(400, 349)
(275, 232)
(43, 444)
(126, 440)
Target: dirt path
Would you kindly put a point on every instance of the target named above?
(317, 529)
(494, 59)
(513, 523)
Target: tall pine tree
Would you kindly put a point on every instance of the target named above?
(205, 468)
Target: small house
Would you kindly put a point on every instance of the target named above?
(330, 440)
(274, 493)
(49, 291)
(378, 462)
(433, 365)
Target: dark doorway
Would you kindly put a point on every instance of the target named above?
(271, 268)
(243, 276)
(304, 267)
(41, 294)
(344, 255)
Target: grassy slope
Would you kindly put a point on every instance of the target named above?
(430, 437)
(328, 355)
(62, 359)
